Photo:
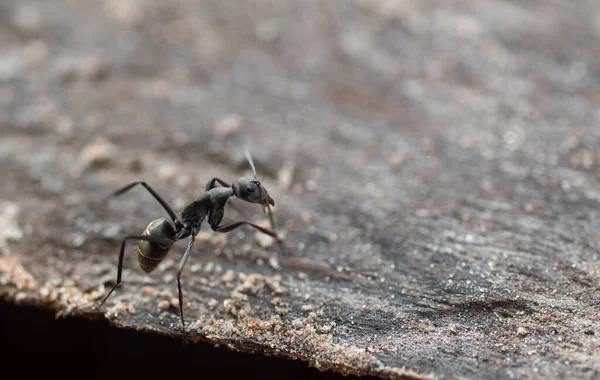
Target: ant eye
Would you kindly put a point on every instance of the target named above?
(250, 189)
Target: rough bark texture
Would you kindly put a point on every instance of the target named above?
(435, 168)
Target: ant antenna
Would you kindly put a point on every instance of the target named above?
(249, 158)
(264, 195)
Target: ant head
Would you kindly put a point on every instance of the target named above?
(251, 190)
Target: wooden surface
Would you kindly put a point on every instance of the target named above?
(435, 168)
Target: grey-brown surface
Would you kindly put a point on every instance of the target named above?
(435, 168)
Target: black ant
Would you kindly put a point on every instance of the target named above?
(159, 236)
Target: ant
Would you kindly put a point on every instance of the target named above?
(159, 236)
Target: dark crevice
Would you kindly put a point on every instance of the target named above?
(94, 348)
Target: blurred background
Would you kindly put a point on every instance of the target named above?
(423, 156)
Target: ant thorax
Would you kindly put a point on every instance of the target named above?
(212, 199)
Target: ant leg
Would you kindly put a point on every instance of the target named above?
(211, 183)
(162, 202)
(188, 250)
(233, 226)
(122, 254)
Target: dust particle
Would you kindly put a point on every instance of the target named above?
(285, 177)
(99, 152)
(274, 263)
(148, 291)
(9, 228)
(219, 239)
(120, 307)
(397, 159)
(229, 276)
(306, 217)
(11, 271)
(195, 267)
(228, 126)
(167, 171)
(521, 331)
(264, 240)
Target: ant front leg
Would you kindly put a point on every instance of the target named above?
(152, 239)
(211, 183)
(233, 226)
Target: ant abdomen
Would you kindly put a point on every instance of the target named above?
(150, 254)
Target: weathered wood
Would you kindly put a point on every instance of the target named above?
(435, 168)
